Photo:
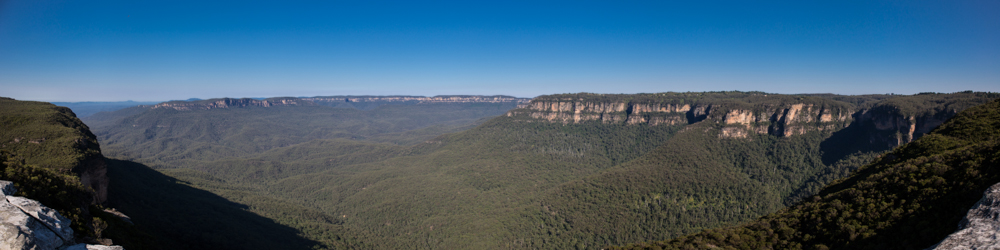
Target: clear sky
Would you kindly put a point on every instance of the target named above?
(162, 50)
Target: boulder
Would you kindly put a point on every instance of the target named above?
(26, 224)
(20, 231)
(47, 216)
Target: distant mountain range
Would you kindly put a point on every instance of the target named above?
(84, 109)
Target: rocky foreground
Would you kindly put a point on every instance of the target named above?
(27, 224)
(980, 229)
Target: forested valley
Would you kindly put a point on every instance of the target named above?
(571, 171)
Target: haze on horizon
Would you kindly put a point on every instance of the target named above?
(122, 50)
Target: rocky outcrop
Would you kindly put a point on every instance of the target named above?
(784, 120)
(420, 99)
(27, 224)
(778, 119)
(980, 229)
(741, 114)
(233, 103)
(576, 111)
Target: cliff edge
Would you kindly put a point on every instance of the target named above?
(27, 224)
(49, 136)
(980, 229)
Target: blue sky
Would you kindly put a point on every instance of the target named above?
(153, 51)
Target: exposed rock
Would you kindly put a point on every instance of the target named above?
(19, 230)
(740, 116)
(27, 224)
(47, 216)
(779, 119)
(980, 229)
(92, 247)
(578, 110)
(7, 188)
(899, 129)
(120, 215)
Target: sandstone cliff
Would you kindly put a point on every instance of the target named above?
(889, 121)
(980, 229)
(893, 128)
(739, 115)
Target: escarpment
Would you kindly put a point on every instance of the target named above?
(222, 103)
(233, 103)
(420, 99)
(739, 115)
(890, 121)
(784, 119)
(892, 128)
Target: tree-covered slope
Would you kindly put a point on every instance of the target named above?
(52, 157)
(45, 135)
(910, 198)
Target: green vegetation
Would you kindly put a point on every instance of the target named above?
(386, 178)
(41, 145)
(59, 191)
(45, 135)
(910, 198)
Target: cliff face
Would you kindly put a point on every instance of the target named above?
(778, 118)
(740, 114)
(783, 120)
(892, 128)
(233, 103)
(907, 199)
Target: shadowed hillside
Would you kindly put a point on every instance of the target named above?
(184, 217)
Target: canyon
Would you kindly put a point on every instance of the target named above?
(556, 171)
